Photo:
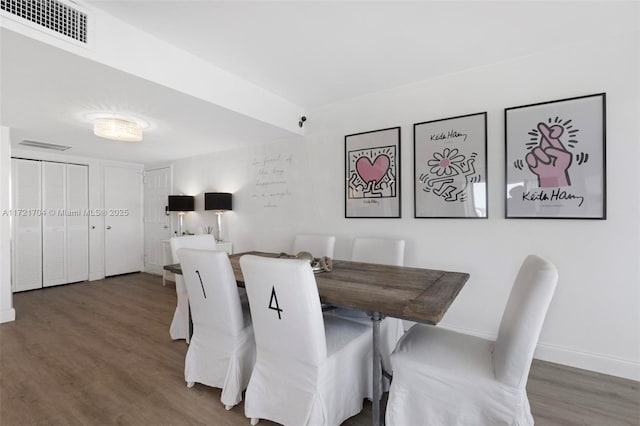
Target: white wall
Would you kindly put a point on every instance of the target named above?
(7, 313)
(594, 319)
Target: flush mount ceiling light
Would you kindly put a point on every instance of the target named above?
(118, 128)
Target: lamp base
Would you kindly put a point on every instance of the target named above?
(218, 237)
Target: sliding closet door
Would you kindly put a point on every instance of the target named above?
(54, 230)
(26, 225)
(77, 223)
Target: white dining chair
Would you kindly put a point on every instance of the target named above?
(222, 350)
(385, 252)
(441, 377)
(378, 250)
(310, 369)
(179, 328)
(317, 245)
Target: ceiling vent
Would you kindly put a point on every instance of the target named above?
(51, 14)
(44, 145)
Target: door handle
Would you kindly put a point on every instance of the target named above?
(109, 227)
(166, 227)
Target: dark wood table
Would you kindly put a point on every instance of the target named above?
(415, 294)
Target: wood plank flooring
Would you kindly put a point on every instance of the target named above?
(99, 353)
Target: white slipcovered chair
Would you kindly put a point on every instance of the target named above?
(222, 349)
(384, 252)
(441, 377)
(179, 328)
(378, 250)
(309, 370)
(317, 245)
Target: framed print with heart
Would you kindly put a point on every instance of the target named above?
(555, 159)
(372, 174)
(450, 167)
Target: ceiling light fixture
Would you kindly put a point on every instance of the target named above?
(117, 127)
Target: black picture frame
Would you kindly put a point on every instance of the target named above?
(555, 159)
(450, 168)
(372, 174)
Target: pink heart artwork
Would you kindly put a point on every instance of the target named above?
(372, 172)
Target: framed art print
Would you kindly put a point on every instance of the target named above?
(372, 174)
(555, 159)
(450, 167)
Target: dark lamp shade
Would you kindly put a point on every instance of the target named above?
(218, 201)
(181, 203)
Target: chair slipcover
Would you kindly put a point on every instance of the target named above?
(309, 370)
(317, 245)
(446, 378)
(179, 328)
(384, 252)
(378, 250)
(222, 349)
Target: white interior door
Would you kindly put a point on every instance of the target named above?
(77, 223)
(26, 269)
(54, 230)
(157, 187)
(123, 220)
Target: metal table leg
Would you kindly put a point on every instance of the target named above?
(377, 369)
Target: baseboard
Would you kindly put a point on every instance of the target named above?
(95, 276)
(605, 364)
(600, 363)
(153, 271)
(8, 315)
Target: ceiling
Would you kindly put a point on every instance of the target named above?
(318, 52)
(310, 53)
(46, 93)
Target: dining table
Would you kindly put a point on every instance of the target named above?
(415, 294)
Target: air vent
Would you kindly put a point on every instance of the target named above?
(51, 14)
(44, 145)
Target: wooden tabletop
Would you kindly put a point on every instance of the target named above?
(415, 294)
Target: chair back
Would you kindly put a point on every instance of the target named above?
(378, 250)
(212, 290)
(317, 245)
(522, 320)
(285, 308)
(203, 242)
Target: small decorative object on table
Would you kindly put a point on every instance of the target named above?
(318, 264)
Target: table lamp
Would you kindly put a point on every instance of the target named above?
(181, 204)
(219, 202)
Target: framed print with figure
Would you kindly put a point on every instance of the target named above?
(556, 159)
(450, 167)
(372, 174)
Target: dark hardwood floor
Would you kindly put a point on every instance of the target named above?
(99, 353)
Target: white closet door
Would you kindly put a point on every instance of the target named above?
(77, 223)
(26, 224)
(123, 239)
(54, 230)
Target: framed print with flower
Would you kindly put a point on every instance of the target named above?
(555, 159)
(372, 174)
(450, 167)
